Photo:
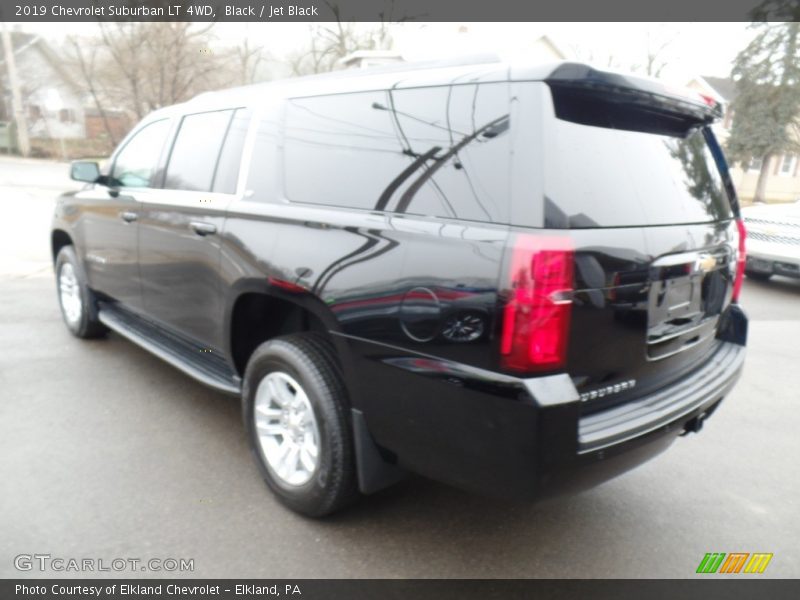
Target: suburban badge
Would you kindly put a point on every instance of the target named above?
(608, 390)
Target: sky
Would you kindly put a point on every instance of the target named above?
(691, 48)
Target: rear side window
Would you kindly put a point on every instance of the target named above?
(599, 176)
(340, 150)
(136, 162)
(196, 149)
(437, 151)
(468, 176)
(261, 174)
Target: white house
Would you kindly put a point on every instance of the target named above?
(52, 100)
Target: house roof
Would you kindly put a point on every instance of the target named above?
(22, 42)
(724, 86)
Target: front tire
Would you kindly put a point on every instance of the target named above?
(77, 302)
(295, 407)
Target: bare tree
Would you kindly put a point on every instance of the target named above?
(330, 42)
(85, 58)
(139, 67)
(318, 56)
(249, 58)
(607, 60)
(122, 41)
(150, 65)
(656, 44)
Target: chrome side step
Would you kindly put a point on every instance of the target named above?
(209, 369)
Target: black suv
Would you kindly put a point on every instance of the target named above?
(519, 281)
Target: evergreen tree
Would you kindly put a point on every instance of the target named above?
(767, 104)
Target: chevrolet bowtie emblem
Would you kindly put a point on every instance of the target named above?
(705, 263)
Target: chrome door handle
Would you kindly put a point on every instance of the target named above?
(201, 228)
(128, 216)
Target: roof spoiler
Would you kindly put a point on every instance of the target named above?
(576, 80)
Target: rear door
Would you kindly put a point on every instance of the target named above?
(645, 205)
(179, 249)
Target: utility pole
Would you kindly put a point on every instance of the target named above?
(16, 94)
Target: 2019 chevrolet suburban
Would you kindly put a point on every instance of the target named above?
(519, 280)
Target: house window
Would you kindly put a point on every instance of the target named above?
(34, 112)
(787, 164)
(66, 115)
(755, 164)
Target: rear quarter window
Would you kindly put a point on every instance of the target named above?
(230, 156)
(438, 151)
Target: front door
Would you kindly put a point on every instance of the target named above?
(111, 215)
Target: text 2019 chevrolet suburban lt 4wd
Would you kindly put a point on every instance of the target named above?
(516, 280)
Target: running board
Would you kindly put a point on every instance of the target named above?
(206, 367)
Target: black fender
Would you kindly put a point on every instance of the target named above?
(294, 294)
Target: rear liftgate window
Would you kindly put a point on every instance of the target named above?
(611, 164)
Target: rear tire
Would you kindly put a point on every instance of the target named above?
(77, 302)
(295, 410)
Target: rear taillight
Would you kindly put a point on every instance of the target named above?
(536, 316)
(741, 260)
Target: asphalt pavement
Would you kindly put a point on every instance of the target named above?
(106, 452)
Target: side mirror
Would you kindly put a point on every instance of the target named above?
(86, 171)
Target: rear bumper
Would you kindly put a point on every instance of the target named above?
(704, 387)
(528, 438)
(616, 440)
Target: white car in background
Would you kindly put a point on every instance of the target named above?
(773, 240)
